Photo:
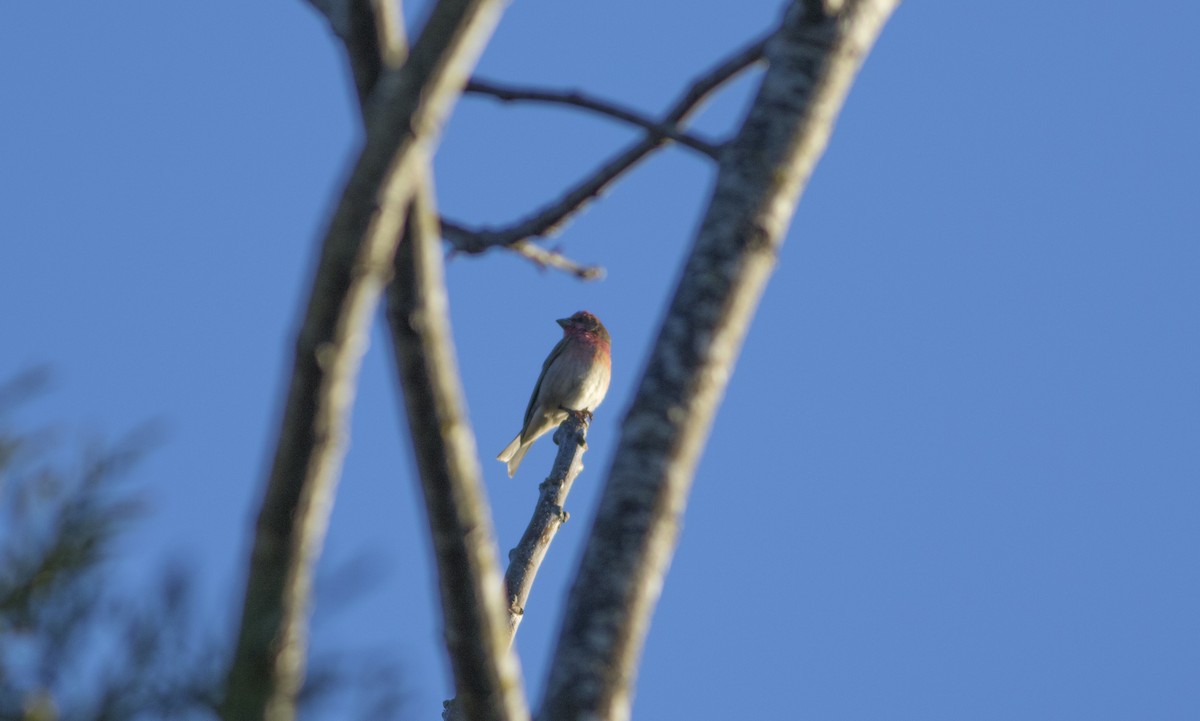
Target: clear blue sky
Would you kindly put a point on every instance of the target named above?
(955, 475)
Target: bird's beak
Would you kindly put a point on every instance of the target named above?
(564, 322)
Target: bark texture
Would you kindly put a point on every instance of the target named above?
(486, 674)
(548, 515)
(404, 116)
(812, 60)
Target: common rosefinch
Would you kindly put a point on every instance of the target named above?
(574, 378)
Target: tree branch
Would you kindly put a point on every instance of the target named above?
(486, 672)
(406, 111)
(812, 61)
(548, 219)
(576, 99)
(553, 259)
(372, 35)
(525, 560)
(487, 676)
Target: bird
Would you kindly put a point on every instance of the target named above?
(574, 378)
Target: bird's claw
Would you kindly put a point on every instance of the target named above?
(583, 414)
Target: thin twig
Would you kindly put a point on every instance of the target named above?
(553, 259)
(549, 218)
(576, 99)
(812, 61)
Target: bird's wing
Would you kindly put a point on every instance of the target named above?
(554, 354)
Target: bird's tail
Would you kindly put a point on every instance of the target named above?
(513, 453)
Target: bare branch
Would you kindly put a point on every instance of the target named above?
(486, 673)
(812, 61)
(487, 676)
(576, 99)
(548, 219)
(371, 32)
(407, 109)
(541, 257)
(525, 560)
(553, 259)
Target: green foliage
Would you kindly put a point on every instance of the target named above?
(72, 646)
(78, 643)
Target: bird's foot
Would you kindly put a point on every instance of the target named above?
(584, 415)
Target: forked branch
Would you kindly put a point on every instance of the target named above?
(577, 99)
(486, 675)
(548, 219)
(268, 664)
(487, 678)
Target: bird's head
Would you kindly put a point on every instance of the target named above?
(584, 322)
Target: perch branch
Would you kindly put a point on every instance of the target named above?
(525, 560)
(812, 60)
